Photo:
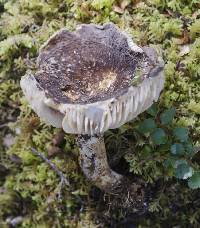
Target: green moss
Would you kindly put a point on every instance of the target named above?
(31, 187)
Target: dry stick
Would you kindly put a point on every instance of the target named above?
(63, 180)
(52, 165)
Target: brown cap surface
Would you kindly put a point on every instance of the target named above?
(91, 64)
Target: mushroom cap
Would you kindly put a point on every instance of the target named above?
(93, 79)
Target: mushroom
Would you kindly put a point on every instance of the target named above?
(91, 80)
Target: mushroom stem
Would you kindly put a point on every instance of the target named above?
(93, 161)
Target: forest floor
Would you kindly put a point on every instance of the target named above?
(164, 162)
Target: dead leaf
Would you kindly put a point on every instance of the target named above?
(117, 9)
(135, 2)
(85, 9)
(53, 151)
(121, 7)
(124, 4)
(185, 38)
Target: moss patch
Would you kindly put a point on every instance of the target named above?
(29, 188)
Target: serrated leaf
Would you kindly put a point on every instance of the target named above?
(181, 133)
(183, 171)
(167, 116)
(159, 137)
(147, 126)
(153, 110)
(177, 149)
(194, 181)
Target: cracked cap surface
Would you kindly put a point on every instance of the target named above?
(92, 64)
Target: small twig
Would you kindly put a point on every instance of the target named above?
(53, 166)
(59, 197)
(63, 180)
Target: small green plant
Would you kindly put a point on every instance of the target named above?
(171, 143)
(151, 145)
